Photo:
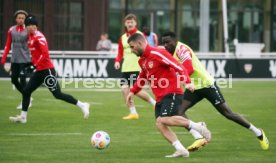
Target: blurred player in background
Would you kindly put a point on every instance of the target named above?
(130, 68)
(205, 87)
(160, 69)
(20, 59)
(104, 44)
(45, 73)
(150, 36)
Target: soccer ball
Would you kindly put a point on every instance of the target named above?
(100, 140)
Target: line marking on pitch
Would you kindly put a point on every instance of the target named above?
(44, 134)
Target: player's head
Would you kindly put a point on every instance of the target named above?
(130, 22)
(20, 16)
(169, 41)
(104, 36)
(146, 30)
(31, 23)
(137, 44)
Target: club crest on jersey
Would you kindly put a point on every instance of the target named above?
(150, 64)
(248, 68)
(31, 42)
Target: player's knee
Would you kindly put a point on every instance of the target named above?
(184, 107)
(229, 114)
(225, 111)
(158, 122)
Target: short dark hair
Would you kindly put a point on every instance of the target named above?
(169, 33)
(30, 20)
(136, 37)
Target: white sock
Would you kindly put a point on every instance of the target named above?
(195, 134)
(133, 110)
(254, 129)
(152, 101)
(24, 114)
(178, 145)
(80, 104)
(193, 125)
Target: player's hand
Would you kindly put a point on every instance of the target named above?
(190, 87)
(117, 65)
(7, 67)
(130, 98)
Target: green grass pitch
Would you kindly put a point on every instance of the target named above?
(56, 131)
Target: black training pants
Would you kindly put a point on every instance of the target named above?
(18, 76)
(48, 77)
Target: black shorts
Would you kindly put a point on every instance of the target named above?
(211, 93)
(129, 78)
(168, 106)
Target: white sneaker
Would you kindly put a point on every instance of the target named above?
(18, 119)
(85, 110)
(205, 132)
(179, 153)
(20, 105)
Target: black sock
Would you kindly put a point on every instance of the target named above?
(260, 137)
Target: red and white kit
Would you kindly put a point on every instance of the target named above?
(39, 49)
(160, 69)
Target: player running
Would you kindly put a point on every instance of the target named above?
(205, 87)
(45, 73)
(160, 69)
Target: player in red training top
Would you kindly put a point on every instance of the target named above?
(45, 73)
(160, 69)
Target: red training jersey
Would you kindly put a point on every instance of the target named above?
(39, 49)
(160, 69)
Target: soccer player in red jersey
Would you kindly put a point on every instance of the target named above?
(45, 73)
(163, 73)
